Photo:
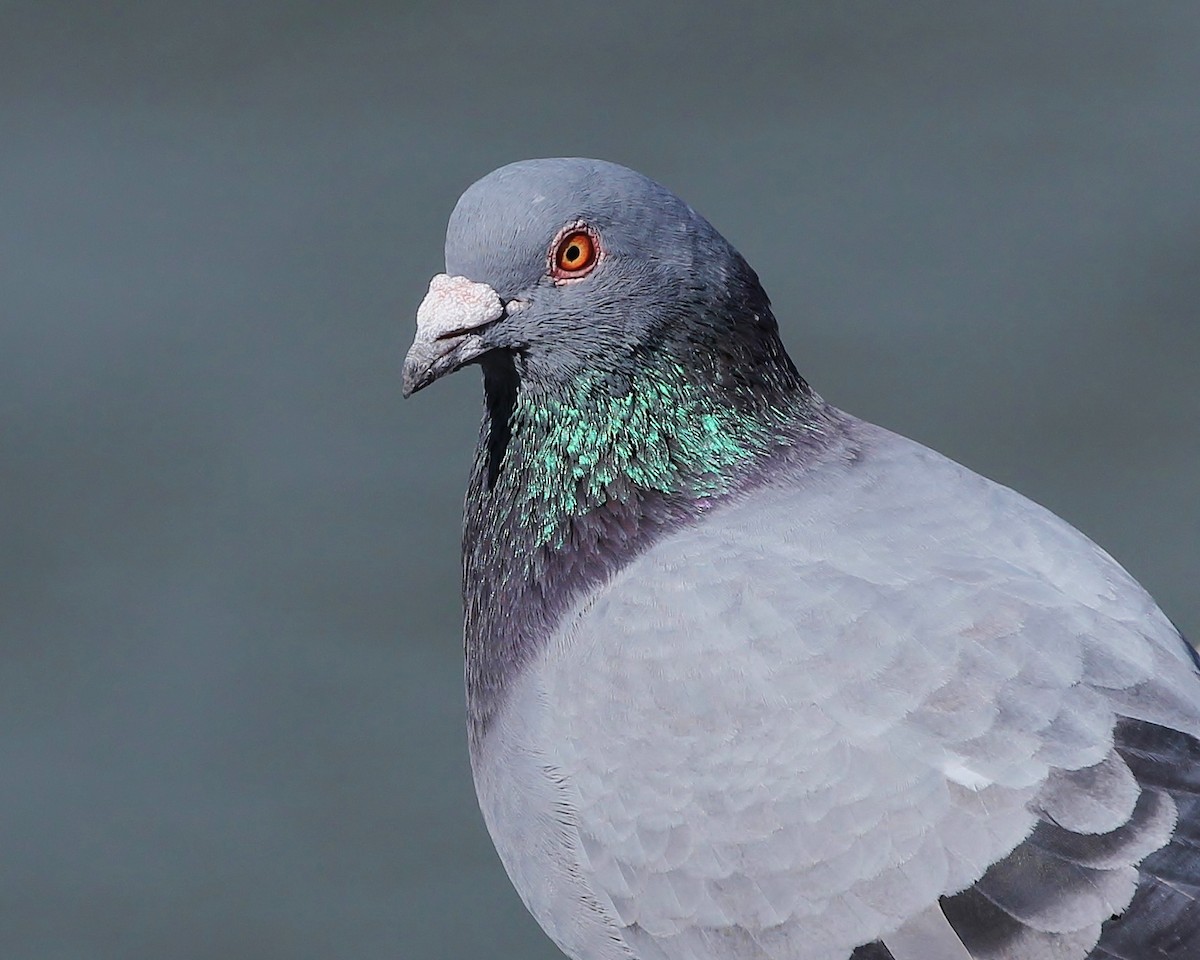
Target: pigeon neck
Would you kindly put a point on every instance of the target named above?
(660, 432)
(570, 485)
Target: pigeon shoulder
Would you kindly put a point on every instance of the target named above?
(891, 497)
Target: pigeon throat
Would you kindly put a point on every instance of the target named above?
(664, 433)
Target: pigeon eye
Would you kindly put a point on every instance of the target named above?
(575, 254)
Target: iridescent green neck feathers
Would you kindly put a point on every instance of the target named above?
(578, 449)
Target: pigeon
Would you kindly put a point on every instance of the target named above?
(749, 678)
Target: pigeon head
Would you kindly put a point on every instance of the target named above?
(559, 269)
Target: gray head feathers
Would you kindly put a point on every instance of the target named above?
(662, 272)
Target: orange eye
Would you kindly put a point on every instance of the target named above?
(575, 254)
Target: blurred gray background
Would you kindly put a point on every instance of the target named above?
(230, 692)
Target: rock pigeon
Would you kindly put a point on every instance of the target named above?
(749, 678)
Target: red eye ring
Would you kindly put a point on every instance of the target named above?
(575, 253)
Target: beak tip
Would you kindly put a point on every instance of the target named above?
(412, 379)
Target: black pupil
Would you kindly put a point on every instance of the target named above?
(572, 253)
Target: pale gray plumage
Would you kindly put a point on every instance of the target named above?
(862, 703)
(789, 646)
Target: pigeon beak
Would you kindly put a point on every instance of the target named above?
(448, 323)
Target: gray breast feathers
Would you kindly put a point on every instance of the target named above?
(794, 730)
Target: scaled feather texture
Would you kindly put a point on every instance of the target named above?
(751, 679)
